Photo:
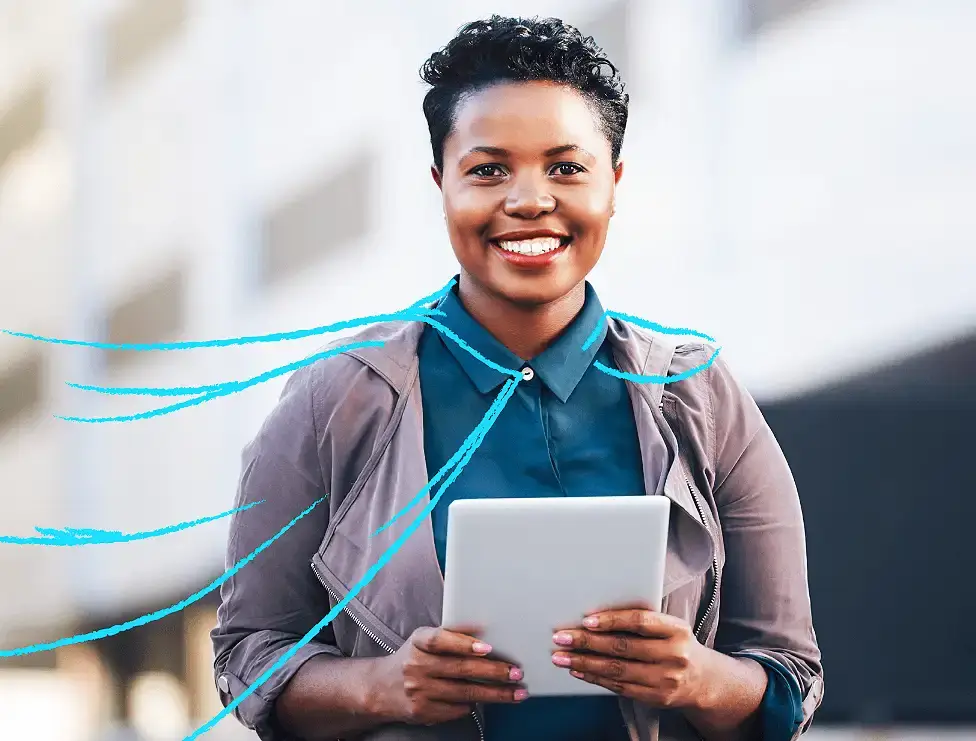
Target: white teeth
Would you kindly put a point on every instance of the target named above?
(537, 246)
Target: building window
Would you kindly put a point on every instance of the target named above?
(22, 121)
(21, 388)
(156, 313)
(330, 214)
(137, 31)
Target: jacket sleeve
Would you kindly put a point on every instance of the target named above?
(765, 599)
(271, 603)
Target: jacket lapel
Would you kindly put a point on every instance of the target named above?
(407, 593)
(690, 546)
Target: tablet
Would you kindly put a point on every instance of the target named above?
(522, 568)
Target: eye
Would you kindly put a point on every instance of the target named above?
(566, 169)
(487, 171)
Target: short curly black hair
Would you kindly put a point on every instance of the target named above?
(502, 49)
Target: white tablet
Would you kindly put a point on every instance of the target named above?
(522, 568)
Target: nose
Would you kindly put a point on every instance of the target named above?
(529, 198)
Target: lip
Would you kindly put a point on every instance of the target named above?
(515, 236)
(532, 262)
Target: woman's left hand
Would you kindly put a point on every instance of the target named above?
(638, 653)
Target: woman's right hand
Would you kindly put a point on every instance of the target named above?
(438, 675)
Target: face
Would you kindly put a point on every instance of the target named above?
(528, 186)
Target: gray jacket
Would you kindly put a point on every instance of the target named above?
(351, 426)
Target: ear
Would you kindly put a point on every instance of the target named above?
(618, 172)
(436, 174)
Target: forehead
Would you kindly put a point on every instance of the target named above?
(525, 117)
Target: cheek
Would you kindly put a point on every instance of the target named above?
(589, 204)
(597, 204)
(469, 210)
(591, 211)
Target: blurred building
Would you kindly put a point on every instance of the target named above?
(189, 169)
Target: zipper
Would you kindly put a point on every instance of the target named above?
(715, 582)
(477, 722)
(378, 641)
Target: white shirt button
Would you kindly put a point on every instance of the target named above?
(528, 374)
(222, 684)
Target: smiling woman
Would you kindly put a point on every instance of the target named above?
(526, 120)
(501, 198)
(522, 120)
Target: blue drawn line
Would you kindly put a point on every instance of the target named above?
(227, 387)
(637, 378)
(506, 393)
(466, 347)
(232, 386)
(647, 324)
(71, 536)
(414, 310)
(434, 297)
(196, 344)
(159, 614)
(151, 390)
(223, 389)
(77, 532)
(470, 440)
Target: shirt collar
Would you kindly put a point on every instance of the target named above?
(560, 366)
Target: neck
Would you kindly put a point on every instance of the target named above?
(526, 330)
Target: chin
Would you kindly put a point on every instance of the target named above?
(532, 290)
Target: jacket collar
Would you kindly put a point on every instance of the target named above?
(560, 366)
(397, 357)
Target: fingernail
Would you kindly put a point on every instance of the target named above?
(521, 695)
(575, 673)
(590, 622)
(561, 660)
(515, 674)
(563, 639)
(480, 648)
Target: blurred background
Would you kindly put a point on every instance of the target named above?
(190, 169)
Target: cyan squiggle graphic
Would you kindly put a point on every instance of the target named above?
(71, 536)
(219, 390)
(159, 614)
(414, 308)
(646, 324)
(638, 378)
(418, 311)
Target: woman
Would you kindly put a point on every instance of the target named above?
(526, 121)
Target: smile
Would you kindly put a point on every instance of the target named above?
(537, 246)
(534, 246)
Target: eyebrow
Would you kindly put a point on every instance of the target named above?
(551, 152)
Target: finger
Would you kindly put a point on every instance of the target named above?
(472, 669)
(447, 642)
(470, 693)
(475, 631)
(618, 687)
(647, 623)
(620, 606)
(620, 670)
(620, 645)
(438, 712)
